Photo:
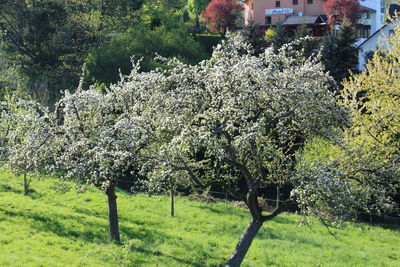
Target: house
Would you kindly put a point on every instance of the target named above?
(310, 12)
(376, 39)
(291, 12)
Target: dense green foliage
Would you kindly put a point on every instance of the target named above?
(50, 227)
(48, 40)
(159, 31)
(105, 63)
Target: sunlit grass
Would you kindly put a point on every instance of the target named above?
(49, 228)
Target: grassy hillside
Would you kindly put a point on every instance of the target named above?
(49, 228)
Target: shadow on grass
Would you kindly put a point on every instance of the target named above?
(65, 226)
(32, 193)
(9, 189)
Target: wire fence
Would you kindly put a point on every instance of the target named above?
(226, 196)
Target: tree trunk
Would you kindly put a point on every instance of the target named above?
(172, 203)
(244, 244)
(113, 226)
(278, 197)
(25, 185)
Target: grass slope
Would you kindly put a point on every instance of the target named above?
(48, 228)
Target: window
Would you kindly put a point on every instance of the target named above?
(295, 2)
(268, 20)
(363, 32)
(365, 15)
(278, 4)
(309, 2)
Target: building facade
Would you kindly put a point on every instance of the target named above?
(269, 12)
(310, 12)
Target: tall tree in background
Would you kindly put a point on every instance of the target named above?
(338, 10)
(196, 7)
(339, 54)
(280, 37)
(48, 39)
(221, 15)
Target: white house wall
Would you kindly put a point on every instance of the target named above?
(371, 45)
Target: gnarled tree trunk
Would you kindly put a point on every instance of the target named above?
(244, 244)
(113, 226)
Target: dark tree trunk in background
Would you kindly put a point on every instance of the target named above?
(244, 244)
(278, 197)
(26, 185)
(113, 214)
(172, 202)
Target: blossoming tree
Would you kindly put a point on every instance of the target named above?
(100, 139)
(26, 135)
(249, 115)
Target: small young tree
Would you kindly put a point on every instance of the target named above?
(254, 35)
(221, 15)
(280, 37)
(163, 179)
(309, 45)
(339, 10)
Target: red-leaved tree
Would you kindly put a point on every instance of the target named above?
(337, 10)
(221, 15)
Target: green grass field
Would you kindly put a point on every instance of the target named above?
(49, 228)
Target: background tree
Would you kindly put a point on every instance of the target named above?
(308, 44)
(48, 39)
(254, 35)
(339, 10)
(12, 80)
(159, 32)
(221, 15)
(373, 99)
(196, 7)
(280, 37)
(339, 54)
(163, 179)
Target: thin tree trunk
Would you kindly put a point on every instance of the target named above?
(25, 185)
(113, 226)
(172, 203)
(278, 197)
(197, 20)
(244, 244)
